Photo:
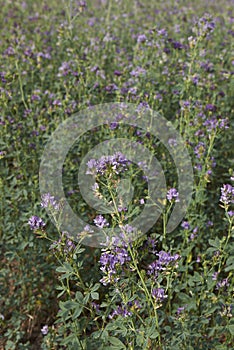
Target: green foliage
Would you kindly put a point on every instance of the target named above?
(57, 59)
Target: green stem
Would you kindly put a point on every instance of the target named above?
(149, 298)
(21, 85)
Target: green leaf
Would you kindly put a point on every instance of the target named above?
(111, 326)
(215, 242)
(86, 298)
(229, 268)
(69, 305)
(77, 312)
(95, 287)
(65, 268)
(79, 297)
(116, 342)
(95, 295)
(154, 335)
(231, 328)
(10, 345)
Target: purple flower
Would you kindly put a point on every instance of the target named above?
(205, 25)
(185, 225)
(180, 310)
(199, 150)
(48, 201)
(166, 258)
(138, 71)
(117, 73)
(159, 294)
(114, 125)
(198, 167)
(185, 104)
(132, 90)
(141, 38)
(136, 304)
(214, 276)
(128, 229)
(117, 163)
(223, 123)
(9, 51)
(95, 187)
(192, 236)
(111, 88)
(210, 107)
(142, 107)
(120, 311)
(88, 229)
(177, 45)
(195, 80)
(227, 194)
(209, 223)
(91, 164)
(95, 306)
(151, 243)
(35, 97)
(162, 32)
(2, 154)
(57, 103)
(70, 246)
(45, 330)
(164, 262)
(36, 223)
(122, 209)
(100, 221)
(111, 259)
(64, 244)
(82, 4)
(172, 142)
(223, 283)
(211, 124)
(172, 194)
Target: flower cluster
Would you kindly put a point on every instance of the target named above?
(164, 262)
(138, 71)
(222, 284)
(173, 195)
(185, 225)
(205, 25)
(65, 244)
(36, 223)
(111, 260)
(227, 194)
(126, 235)
(180, 310)
(215, 123)
(120, 311)
(116, 163)
(49, 201)
(125, 310)
(141, 38)
(151, 244)
(159, 294)
(199, 149)
(100, 221)
(45, 330)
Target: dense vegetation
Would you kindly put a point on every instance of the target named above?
(153, 289)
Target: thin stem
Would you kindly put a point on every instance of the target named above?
(20, 84)
(146, 291)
